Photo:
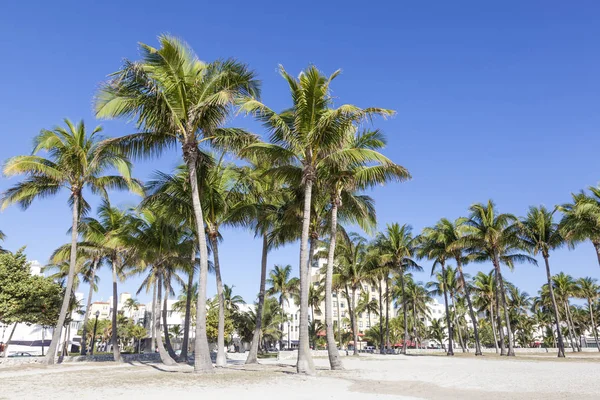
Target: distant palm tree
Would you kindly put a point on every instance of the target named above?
(590, 291)
(540, 234)
(76, 160)
(437, 331)
(2, 238)
(178, 99)
(565, 287)
(283, 285)
(418, 300)
(315, 297)
(232, 302)
(581, 219)
(131, 304)
(307, 134)
(494, 237)
(368, 305)
(484, 287)
(398, 250)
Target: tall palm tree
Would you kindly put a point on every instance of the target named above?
(398, 249)
(589, 290)
(367, 304)
(284, 286)
(75, 160)
(315, 297)
(494, 237)
(178, 99)
(437, 330)
(454, 287)
(418, 299)
(440, 287)
(2, 238)
(540, 235)
(581, 219)
(306, 135)
(451, 233)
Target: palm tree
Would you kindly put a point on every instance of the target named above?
(307, 135)
(437, 331)
(450, 233)
(494, 237)
(131, 304)
(398, 249)
(581, 219)
(232, 302)
(485, 293)
(589, 290)
(2, 238)
(351, 271)
(565, 287)
(540, 234)
(315, 297)
(418, 299)
(367, 304)
(454, 287)
(176, 98)
(76, 160)
(284, 286)
(439, 287)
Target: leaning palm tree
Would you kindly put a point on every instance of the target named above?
(305, 135)
(581, 219)
(494, 237)
(75, 160)
(398, 249)
(588, 289)
(540, 235)
(178, 99)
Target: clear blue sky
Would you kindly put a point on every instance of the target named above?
(494, 100)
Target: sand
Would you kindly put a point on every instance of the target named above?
(366, 377)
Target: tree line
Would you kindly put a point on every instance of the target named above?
(305, 183)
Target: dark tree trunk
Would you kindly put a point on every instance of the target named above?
(498, 318)
(253, 353)
(382, 345)
(87, 308)
(221, 356)
(493, 325)
(404, 311)
(164, 355)
(561, 346)
(114, 335)
(12, 332)
(448, 319)
(165, 326)
(387, 313)
(183, 357)
(332, 351)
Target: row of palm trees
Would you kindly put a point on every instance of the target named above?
(302, 184)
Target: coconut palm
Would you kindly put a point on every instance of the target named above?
(454, 286)
(484, 287)
(494, 237)
(75, 160)
(351, 271)
(418, 299)
(131, 304)
(308, 134)
(178, 99)
(367, 304)
(588, 289)
(397, 251)
(2, 238)
(565, 287)
(437, 331)
(581, 219)
(232, 301)
(315, 297)
(283, 286)
(540, 235)
(450, 233)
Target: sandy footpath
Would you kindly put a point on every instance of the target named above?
(368, 377)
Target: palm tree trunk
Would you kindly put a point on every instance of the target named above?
(183, 357)
(12, 332)
(493, 324)
(281, 301)
(221, 356)
(414, 311)
(569, 329)
(404, 312)
(381, 344)
(332, 351)
(575, 338)
(352, 309)
(597, 248)
(87, 308)
(154, 314)
(164, 355)
(448, 320)
(69, 288)
(498, 318)
(339, 317)
(594, 331)
(253, 354)
(114, 334)
(165, 325)
(461, 340)
(561, 346)
(471, 311)
(202, 361)
(387, 313)
(502, 295)
(305, 363)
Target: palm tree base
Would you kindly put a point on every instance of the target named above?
(450, 353)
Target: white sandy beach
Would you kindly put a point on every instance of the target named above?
(368, 377)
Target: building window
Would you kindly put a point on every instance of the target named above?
(372, 288)
(368, 325)
(342, 305)
(360, 324)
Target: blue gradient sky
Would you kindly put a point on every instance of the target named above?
(494, 100)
